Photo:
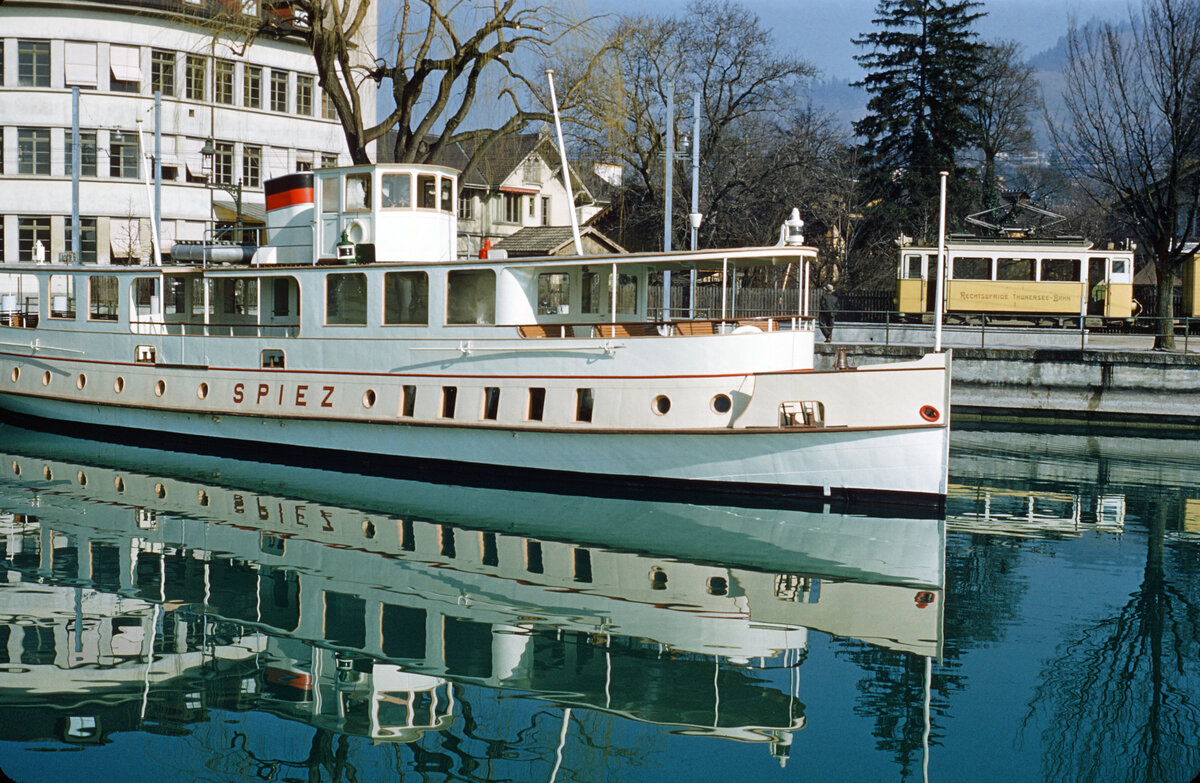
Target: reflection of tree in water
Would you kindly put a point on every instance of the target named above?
(1118, 702)
(982, 596)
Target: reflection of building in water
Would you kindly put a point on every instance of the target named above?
(364, 619)
(1030, 513)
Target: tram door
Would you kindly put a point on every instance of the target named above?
(931, 264)
(1097, 290)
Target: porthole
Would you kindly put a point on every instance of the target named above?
(160, 388)
(81, 381)
(46, 378)
(202, 391)
(160, 491)
(662, 404)
(368, 398)
(16, 374)
(119, 385)
(49, 474)
(721, 403)
(119, 483)
(81, 477)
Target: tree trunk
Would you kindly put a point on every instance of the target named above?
(1165, 274)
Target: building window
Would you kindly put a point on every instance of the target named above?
(79, 66)
(123, 155)
(252, 166)
(162, 72)
(33, 63)
(545, 210)
(466, 206)
(87, 153)
(532, 207)
(328, 160)
(87, 239)
(194, 76)
(252, 86)
(279, 91)
(223, 162)
(512, 208)
(31, 231)
(125, 67)
(33, 150)
(223, 82)
(304, 95)
(328, 110)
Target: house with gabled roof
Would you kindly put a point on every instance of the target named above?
(516, 185)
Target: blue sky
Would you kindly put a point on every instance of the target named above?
(820, 30)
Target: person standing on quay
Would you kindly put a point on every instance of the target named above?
(828, 309)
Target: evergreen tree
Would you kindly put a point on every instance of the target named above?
(922, 68)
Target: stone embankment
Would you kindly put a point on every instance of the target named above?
(1111, 386)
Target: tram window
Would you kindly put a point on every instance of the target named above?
(1064, 270)
(912, 267)
(1118, 266)
(1014, 269)
(971, 268)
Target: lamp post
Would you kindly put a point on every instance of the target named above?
(208, 154)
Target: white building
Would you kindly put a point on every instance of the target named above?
(260, 106)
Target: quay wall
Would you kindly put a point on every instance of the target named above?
(1106, 386)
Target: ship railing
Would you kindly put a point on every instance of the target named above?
(688, 328)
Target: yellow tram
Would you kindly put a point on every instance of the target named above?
(1043, 282)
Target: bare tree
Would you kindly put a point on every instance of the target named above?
(1006, 96)
(444, 53)
(1133, 132)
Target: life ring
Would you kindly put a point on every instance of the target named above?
(930, 413)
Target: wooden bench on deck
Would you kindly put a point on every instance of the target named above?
(539, 331)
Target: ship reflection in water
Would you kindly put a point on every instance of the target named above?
(149, 593)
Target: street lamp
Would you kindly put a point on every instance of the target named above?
(208, 154)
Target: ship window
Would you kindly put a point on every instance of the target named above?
(283, 288)
(582, 564)
(358, 192)
(397, 191)
(62, 296)
(491, 402)
(406, 298)
(591, 292)
(402, 632)
(533, 557)
(330, 200)
(102, 298)
(446, 541)
(449, 398)
(346, 299)
(1060, 270)
(408, 400)
(554, 293)
(408, 536)
(471, 297)
(1014, 269)
(447, 194)
(273, 359)
(427, 191)
(627, 293)
(537, 404)
(145, 295)
(971, 268)
(490, 555)
(584, 402)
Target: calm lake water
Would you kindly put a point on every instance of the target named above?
(172, 617)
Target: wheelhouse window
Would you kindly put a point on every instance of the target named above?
(447, 194)
(346, 299)
(406, 298)
(330, 194)
(62, 296)
(1015, 269)
(1065, 270)
(471, 296)
(554, 293)
(972, 268)
(397, 191)
(358, 192)
(427, 191)
(102, 298)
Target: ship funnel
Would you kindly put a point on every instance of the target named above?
(290, 217)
